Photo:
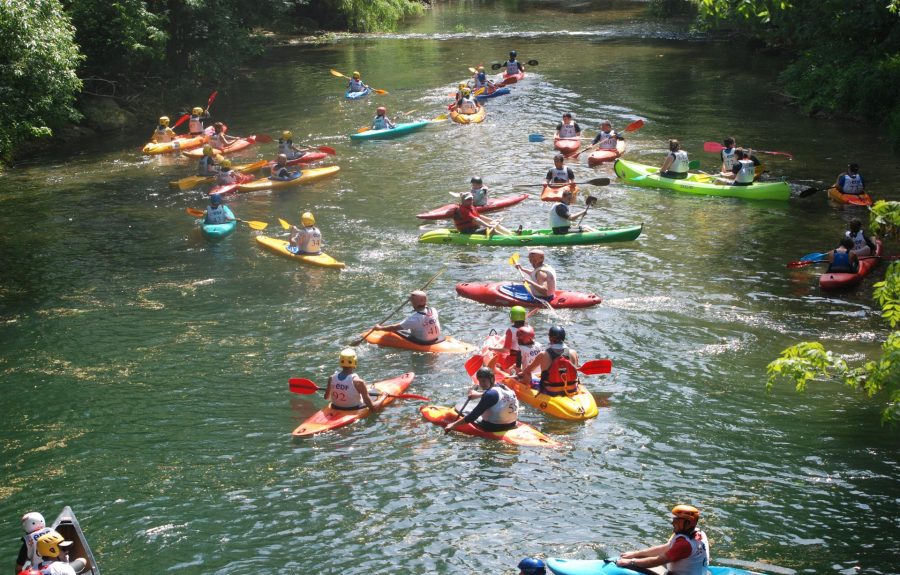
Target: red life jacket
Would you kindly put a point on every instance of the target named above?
(561, 378)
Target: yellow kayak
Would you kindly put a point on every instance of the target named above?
(283, 248)
(475, 118)
(581, 405)
(306, 176)
(191, 182)
(177, 145)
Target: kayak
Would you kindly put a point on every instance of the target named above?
(182, 142)
(597, 157)
(66, 524)
(522, 434)
(702, 184)
(391, 339)
(284, 248)
(396, 131)
(486, 95)
(296, 179)
(357, 95)
(190, 182)
(219, 231)
(577, 407)
(230, 149)
(604, 567)
(330, 418)
(475, 118)
(493, 204)
(568, 146)
(839, 281)
(511, 78)
(554, 193)
(852, 199)
(510, 294)
(534, 237)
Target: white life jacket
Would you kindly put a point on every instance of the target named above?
(423, 326)
(356, 86)
(512, 67)
(286, 147)
(217, 141)
(568, 130)
(506, 410)
(680, 163)
(728, 158)
(853, 184)
(479, 83)
(556, 220)
(31, 544)
(859, 240)
(207, 166)
(528, 353)
(195, 125)
(310, 240)
(480, 196)
(608, 140)
(559, 175)
(747, 172)
(467, 106)
(697, 562)
(344, 392)
(511, 336)
(216, 215)
(224, 178)
(380, 123)
(55, 568)
(162, 135)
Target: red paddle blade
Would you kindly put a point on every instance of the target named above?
(712, 147)
(412, 396)
(263, 139)
(328, 150)
(302, 386)
(212, 98)
(181, 120)
(636, 125)
(473, 364)
(801, 264)
(596, 367)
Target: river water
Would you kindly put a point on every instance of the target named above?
(145, 369)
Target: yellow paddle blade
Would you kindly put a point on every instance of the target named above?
(337, 74)
(195, 212)
(440, 118)
(479, 91)
(256, 225)
(379, 92)
(514, 259)
(188, 183)
(473, 70)
(284, 224)
(363, 129)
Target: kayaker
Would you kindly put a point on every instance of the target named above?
(541, 280)
(479, 192)
(307, 241)
(676, 164)
(862, 243)
(497, 409)
(743, 170)
(466, 104)
(531, 566)
(842, 259)
(207, 165)
(459, 89)
(481, 81)
(423, 326)
(219, 140)
(279, 170)
(34, 527)
(561, 215)
(467, 219)
(227, 176)
(557, 366)
(345, 389)
(163, 133)
(356, 84)
(381, 121)
(560, 174)
(215, 213)
(510, 346)
(286, 146)
(568, 128)
(512, 65)
(607, 138)
(195, 122)
(851, 182)
(52, 548)
(528, 348)
(728, 154)
(685, 553)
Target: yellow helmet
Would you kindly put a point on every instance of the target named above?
(348, 358)
(462, 85)
(287, 135)
(686, 512)
(197, 110)
(164, 120)
(48, 544)
(356, 75)
(466, 91)
(225, 163)
(307, 219)
(207, 150)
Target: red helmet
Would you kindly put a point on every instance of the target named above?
(525, 335)
(381, 110)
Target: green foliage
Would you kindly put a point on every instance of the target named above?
(884, 219)
(671, 8)
(362, 15)
(38, 57)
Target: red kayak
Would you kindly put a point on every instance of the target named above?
(307, 158)
(568, 146)
(839, 281)
(511, 79)
(509, 294)
(234, 147)
(493, 204)
(597, 157)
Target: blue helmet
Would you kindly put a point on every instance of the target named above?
(532, 566)
(512, 54)
(215, 199)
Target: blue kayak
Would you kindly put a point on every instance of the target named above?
(494, 94)
(219, 231)
(396, 131)
(357, 95)
(608, 567)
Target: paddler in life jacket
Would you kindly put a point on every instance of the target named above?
(356, 84)
(842, 259)
(480, 81)
(559, 174)
(207, 165)
(423, 326)
(512, 65)
(851, 182)
(286, 146)
(346, 390)
(280, 171)
(541, 279)
(53, 550)
(195, 122)
(497, 409)
(228, 176)
(479, 192)
(676, 163)
(467, 219)
(568, 128)
(729, 155)
(557, 364)
(606, 138)
(215, 213)
(862, 243)
(34, 527)
(685, 553)
(163, 133)
(561, 215)
(381, 121)
(307, 241)
(219, 140)
(466, 104)
(508, 352)
(743, 170)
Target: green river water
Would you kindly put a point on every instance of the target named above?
(145, 370)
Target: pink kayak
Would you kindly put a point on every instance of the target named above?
(508, 294)
(307, 158)
(197, 153)
(568, 146)
(493, 204)
(511, 78)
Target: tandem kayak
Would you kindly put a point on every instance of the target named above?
(599, 156)
(180, 143)
(839, 281)
(702, 184)
(219, 231)
(554, 193)
(331, 418)
(534, 237)
(511, 78)
(510, 294)
(190, 182)
(296, 179)
(609, 567)
(284, 248)
(395, 132)
(493, 204)
(568, 146)
(357, 95)
(852, 199)
(391, 339)
(66, 524)
(494, 94)
(475, 118)
(231, 149)
(522, 434)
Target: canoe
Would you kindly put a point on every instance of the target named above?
(219, 231)
(190, 182)
(852, 199)
(357, 95)
(533, 237)
(391, 339)
(487, 95)
(397, 131)
(284, 248)
(304, 177)
(475, 118)
(509, 294)
(66, 524)
(554, 193)
(702, 184)
(493, 204)
(568, 146)
(330, 418)
(839, 281)
(603, 567)
(232, 149)
(522, 434)
(180, 143)
(511, 78)
(597, 157)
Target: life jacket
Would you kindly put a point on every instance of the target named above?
(226, 178)
(527, 353)
(380, 123)
(195, 125)
(746, 174)
(31, 543)
(356, 86)
(217, 141)
(480, 196)
(728, 158)
(608, 140)
(680, 162)
(512, 67)
(344, 394)
(695, 563)
(162, 134)
(840, 263)
(467, 106)
(311, 241)
(569, 130)
(215, 215)
(852, 184)
(556, 220)
(559, 175)
(286, 147)
(561, 378)
(207, 166)
(506, 410)
(463, 222)
(860, 240)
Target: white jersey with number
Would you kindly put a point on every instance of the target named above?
(569, 130)
(506, 410)
(343, 390)
(747, 172)
(697, 562)
(529, 353)
(423, 325)
(309, 240)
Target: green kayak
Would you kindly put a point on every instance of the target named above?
(702, 184)
(396, 131)
(533, 237)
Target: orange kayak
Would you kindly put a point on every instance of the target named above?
(522, 434)
(852, 199)
(554, 193)
(182, 142)
(391, 339)
(233, 148)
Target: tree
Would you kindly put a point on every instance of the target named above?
(38, 59)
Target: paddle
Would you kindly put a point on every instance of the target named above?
(181, 120)
(212, 98)
(589, 201)
(256, 225)
(284, 224)
(498, 65)
(339, 75)
(594, 182)
(399, 307)
(807, 263)
(632, 127)
(306, 387)
(716, 147)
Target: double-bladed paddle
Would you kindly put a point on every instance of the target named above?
(716, 147)
(593, 182)
(498, 65)
(339, 75)
(305, 386)
(256, 225)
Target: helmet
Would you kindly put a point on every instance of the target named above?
(485, 373)
(532, 566)
(348, 358)
(518, 313)
(215, 199)
(287, 135)
(558, 333)
(525, 335)
(481, 68)
(462, 85)
(307, 219)
(466, 91)
(197, 110)
(164, 120)
(686, 512)
(381, 110)
(355, 75)
(569, 115)
(512, 54)
(476, 180)
(32, 522)
(225, 163)
(48, 544)
(207, 150)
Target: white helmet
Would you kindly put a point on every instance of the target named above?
(32, 522)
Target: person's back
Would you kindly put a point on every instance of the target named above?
(842, 259)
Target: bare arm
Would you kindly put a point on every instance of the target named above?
(360, 386)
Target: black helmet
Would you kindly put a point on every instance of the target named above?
(512, 54)
(532, 566)
(476, 180)
(485, 373)
(557, 333)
